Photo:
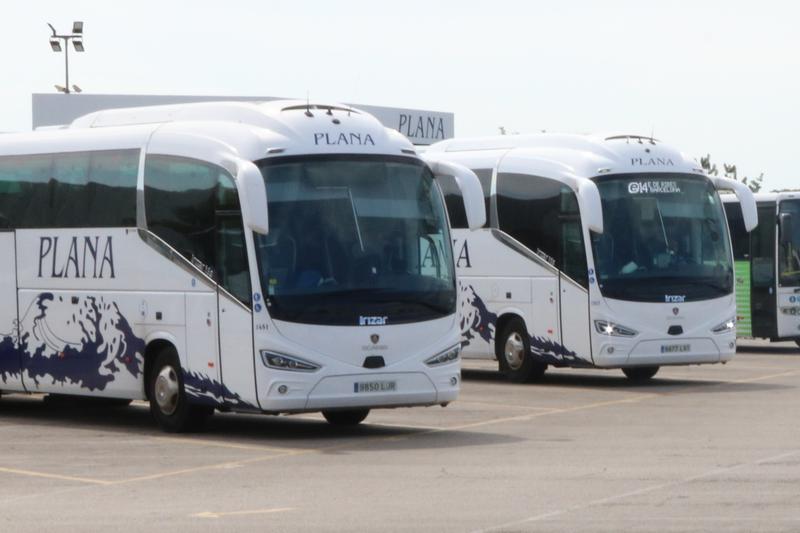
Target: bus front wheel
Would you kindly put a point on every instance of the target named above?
(350, 417)
(514, 354)
(640, 374)
(168, 402)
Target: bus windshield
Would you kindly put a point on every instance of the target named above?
(665, 239)
(789, 249)
(355, 240)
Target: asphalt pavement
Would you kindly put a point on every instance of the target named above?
(703, 448)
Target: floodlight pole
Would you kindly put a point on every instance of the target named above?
(66, 64)
(66, 39)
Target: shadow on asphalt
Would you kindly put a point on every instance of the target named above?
(603, 381)
(769, 349)
(257, 430)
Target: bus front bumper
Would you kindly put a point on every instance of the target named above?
(666, 351)
(373, 390)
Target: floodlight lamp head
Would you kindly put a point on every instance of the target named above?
(55, 45)
(77, 89)
(78, 44)
(77, 27)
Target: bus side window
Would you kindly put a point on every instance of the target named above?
(232, 269)
(20, 176)
(529, 209)
(485, 177)
(69, 190)
(453, 201)
(573, 251)
(111, 188)
(762, 247)
(739, 236)
(180, 198)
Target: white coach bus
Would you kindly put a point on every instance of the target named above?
(276, 258)
(767, 263)
(607, 252)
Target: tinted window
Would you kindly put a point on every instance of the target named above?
(77, 189)
(573, 251)
(485, 177)
(453, 201)
(528, 209)
(231, 251)
(355, 236)
(24, 190)
(194, 207)
(112, 188)
(763, 247)
(180, 202)
(739, 236)
(789, 246)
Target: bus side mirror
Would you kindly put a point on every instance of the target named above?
(470, 187)
(745, 196)
(252, 197)
(785, 227)
(590, 205)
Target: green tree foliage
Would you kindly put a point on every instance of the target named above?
(729, 171)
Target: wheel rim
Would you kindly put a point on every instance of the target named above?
(167, 390)
(514, 351)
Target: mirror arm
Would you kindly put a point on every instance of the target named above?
(470, 187)
(745, 196)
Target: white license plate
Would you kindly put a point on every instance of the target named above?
(675, 348)
(374, 386)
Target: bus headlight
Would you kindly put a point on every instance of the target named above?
(614, 330)
(447, 356)
(280, 361)
(725, 327)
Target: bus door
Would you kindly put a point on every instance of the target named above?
(763, 300)
(10, 364)
(235, 304)
(788, 297)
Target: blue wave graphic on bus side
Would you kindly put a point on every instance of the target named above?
(476, 319)
(88, 342)
(82, 342)
(9, 358)
(203, 390)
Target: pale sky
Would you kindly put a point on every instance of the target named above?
(719, 77)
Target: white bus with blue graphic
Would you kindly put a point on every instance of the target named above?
(272, 258)
(606, 252)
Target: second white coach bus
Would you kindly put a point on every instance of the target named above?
(608, 252)
(767, 263)
(279, 258)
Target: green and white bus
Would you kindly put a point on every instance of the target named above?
(767, 265)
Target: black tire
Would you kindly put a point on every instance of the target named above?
(513, 350)
(168, 402)
(640, 374)
(349, 417)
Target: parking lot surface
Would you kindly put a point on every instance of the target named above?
(697, 449)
